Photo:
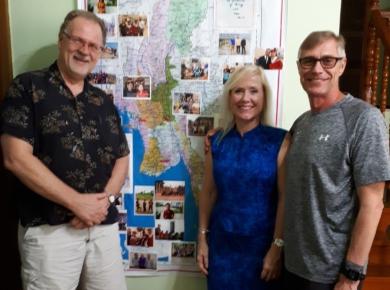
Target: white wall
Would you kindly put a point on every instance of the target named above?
(303, 17)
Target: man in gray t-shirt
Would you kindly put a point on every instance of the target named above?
(336, 170)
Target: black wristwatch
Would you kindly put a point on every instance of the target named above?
(352, 274)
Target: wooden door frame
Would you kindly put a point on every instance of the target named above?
(8, 208)
(5, 49)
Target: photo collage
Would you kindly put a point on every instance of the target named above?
(132, 28)
(164, 70)
(165, 203)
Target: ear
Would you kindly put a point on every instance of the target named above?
(298, 67)
(59, 41)
(342, 66)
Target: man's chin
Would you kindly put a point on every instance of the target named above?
(80, 73)
(314, 90)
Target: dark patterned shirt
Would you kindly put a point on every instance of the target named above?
(77, 138)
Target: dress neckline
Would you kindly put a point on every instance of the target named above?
(247, 133)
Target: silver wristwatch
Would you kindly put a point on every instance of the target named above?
(278, 242)
(111, 198)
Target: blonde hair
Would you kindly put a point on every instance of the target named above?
(227, 120)
(317, 37)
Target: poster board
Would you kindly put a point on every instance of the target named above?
(164, 65)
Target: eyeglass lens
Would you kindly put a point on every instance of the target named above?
(326, 61)
(79, 42)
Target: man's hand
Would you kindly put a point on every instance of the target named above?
(346, 284)
(78, 224)
(89, 209)
(272, 264)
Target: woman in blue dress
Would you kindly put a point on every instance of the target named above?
(241, 202)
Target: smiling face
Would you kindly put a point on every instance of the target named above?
(322, 84)
(76, 61)
(129, 86)
(246, 101)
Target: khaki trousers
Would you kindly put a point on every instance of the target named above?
(64, 258)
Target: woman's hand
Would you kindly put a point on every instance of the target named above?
(272, 263)
(203, 254)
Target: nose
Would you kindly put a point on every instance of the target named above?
(246, 95)
(84, 48)
(317, 67)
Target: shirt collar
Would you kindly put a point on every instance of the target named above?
(57, 78)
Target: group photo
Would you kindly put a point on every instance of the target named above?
(234, 44)
(195, 145)
(137, 87)
(269, 58)
(195, 69)
(133, 25)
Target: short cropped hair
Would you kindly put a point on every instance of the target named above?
(86, 15)
(317, 37)
(227, 118)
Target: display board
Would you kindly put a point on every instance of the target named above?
(164, 64)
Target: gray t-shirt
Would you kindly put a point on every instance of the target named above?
(332, 153)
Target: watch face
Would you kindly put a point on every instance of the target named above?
(111, 198)
(352, 274)
(279, 242)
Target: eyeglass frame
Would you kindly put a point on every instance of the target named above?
(337, 59)
(79, 42)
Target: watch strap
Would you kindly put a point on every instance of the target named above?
(353, 271)
(356, 267)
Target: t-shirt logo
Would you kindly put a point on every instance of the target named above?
(323, 137)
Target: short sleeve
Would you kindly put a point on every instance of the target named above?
(16, 111)
(215, 140)
(296, 122)
(370, 149)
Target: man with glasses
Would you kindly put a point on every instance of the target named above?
(62, 138)
(336, 170)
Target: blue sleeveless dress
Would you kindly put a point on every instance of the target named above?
(243, 218)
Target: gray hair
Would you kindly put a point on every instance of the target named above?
(86, 15)
(227, 118)
(317, 37)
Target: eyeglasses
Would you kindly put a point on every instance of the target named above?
(326, 62)
(78, 43)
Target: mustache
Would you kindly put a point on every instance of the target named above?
(81, 56)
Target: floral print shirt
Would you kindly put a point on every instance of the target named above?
(77, 138)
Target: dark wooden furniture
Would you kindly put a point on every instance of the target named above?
(378, 275)
(376, 54)
(374, 88)
(5, 49)
(352, 28)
